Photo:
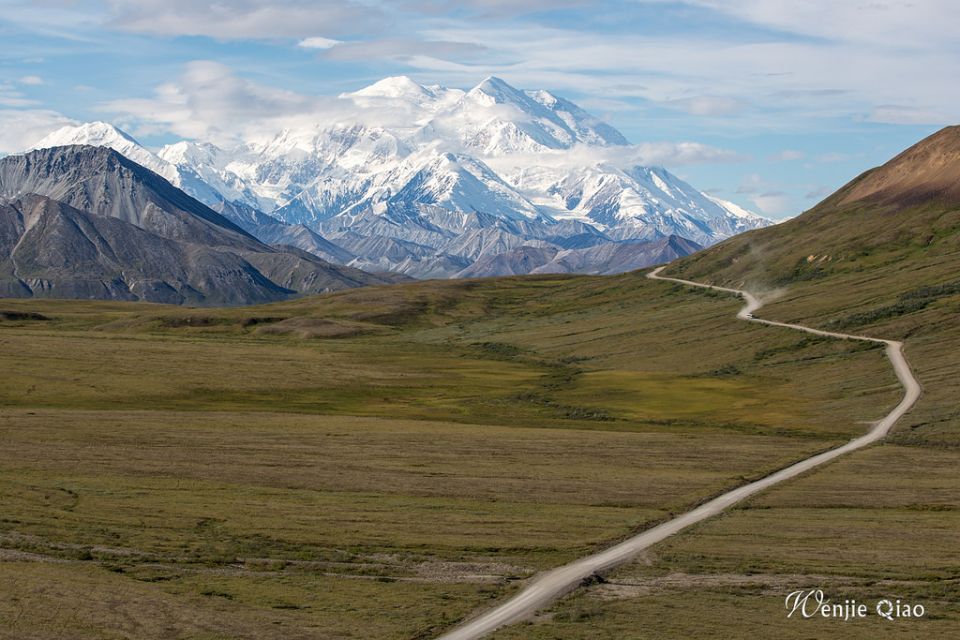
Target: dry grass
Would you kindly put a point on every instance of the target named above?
(879, 524)
(390, 478)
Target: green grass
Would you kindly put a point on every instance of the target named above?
(86, 601)
(879, 524)
(394, 456)
(883, 272)
(729, 610)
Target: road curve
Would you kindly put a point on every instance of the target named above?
(550, 586)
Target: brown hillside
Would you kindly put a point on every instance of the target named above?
(927, 171)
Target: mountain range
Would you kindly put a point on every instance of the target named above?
(88, 222)
(430, 182)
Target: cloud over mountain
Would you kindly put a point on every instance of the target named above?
(426, 180)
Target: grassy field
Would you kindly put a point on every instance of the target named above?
(880, 523)
(379, 462)
(888, 272)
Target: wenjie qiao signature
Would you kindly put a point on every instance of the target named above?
(813, 604)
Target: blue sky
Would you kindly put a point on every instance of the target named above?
(787, 100)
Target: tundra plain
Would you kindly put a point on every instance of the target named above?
(386, 461)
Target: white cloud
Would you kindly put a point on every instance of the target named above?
(245, 19)
(11, 97)
(707, 105)
(902, 23)
(492, 8)
(20, 128)
(404, 49)
(600, 104)
(683, 153)
(209, 102)
(777, 82)
(788, 155)
(67, 21)
(668, 154)
(901, 114)
(775, 203)
(31, 80)
(317, 42)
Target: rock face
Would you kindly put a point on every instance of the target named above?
(428, 180)
(58, 251)
(103, 182)
(86, 222)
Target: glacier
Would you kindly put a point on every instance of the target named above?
(431, 181)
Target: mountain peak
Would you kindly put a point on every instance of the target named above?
(188, 151)
(393, 87)
(494, 82)
(104, 134)
(545, 98)
(88, 156)
(98, 134)
(497, 90)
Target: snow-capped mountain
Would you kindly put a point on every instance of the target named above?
(427, 180)
(101, 134)
(633, 203)
(498, 119)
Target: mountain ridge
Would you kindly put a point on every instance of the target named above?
(926, 171)
(906, 209)
(438, 167)
(84, 221)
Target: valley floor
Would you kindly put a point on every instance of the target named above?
(384, 462)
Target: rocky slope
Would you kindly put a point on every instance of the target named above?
(87, 222)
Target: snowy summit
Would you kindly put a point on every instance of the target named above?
(427, 180)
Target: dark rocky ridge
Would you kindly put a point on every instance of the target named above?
(86, 222)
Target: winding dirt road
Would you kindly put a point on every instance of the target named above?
(550, 586)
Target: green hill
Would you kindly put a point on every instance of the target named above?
(880, 257)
